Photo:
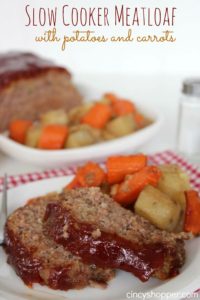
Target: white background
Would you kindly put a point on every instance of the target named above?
(150, 73)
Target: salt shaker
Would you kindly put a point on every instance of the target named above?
(188, 139)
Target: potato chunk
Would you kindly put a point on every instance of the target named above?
(158, 208)
(174, 182)
(121, 126)
(96, 133)
(79, 139)
(107, 136)
(82, 135)
(33, 135)
(54, 117)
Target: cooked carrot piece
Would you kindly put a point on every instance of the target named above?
(53, 137)
(73, 184)
(139, 119)
(192, 216)
(18, 130)
(128, 191)
(120, 166)
(98, 115)
(88, 175)
(123, 107)
(112, 97)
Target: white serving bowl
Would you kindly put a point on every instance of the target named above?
(97, 152)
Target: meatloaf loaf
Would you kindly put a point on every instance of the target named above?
(37, 259)
(30, 85)
(90, 224)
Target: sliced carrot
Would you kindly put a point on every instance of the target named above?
(123, 107)
(128, 191)
(192, 216)
(139, 119)
(53, 137)
(18, 130)
(98, 115)
(120, 166)
(120, 106)
(90, 175)
(112, 97)
(74, 184)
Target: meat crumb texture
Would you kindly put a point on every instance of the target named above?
(79, 238)
(37, 259)
(97, 234)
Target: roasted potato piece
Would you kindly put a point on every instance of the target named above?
(181, 199)
(79, 138)
(82, 135)
(54, 117)
(158, 208)
(33, 135)
(96, 133)
(107, 136)
(174, 177)
(75, 115)
(121, 126)
(174, 182)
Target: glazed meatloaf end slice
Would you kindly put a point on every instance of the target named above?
(37, 259)
(30, 85)
(90, 224)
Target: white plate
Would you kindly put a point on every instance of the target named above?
(129, 143)
(12, 288)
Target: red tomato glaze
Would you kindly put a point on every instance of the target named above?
(28, 267)
(106, 250)
(17, 65)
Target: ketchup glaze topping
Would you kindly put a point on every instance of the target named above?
(106, 250)
(17, 65)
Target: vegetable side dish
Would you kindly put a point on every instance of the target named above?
(160, 194)
(90, 123)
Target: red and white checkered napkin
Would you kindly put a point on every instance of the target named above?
(156, 159)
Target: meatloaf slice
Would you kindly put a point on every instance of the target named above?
(30, 85)
(37, 259)
(90, 224)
